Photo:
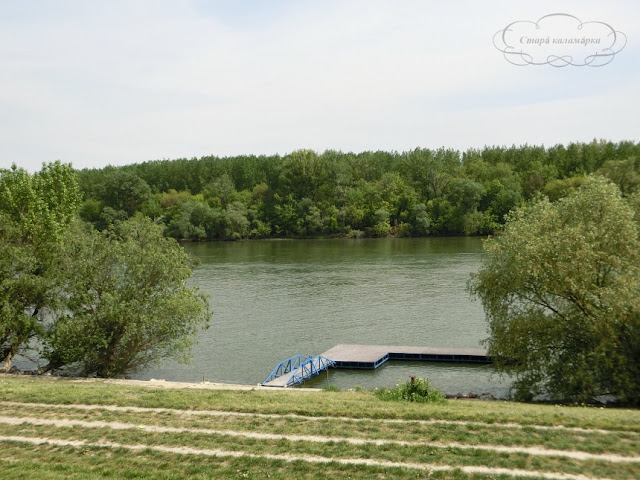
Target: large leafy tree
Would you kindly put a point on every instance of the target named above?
(303, 173)
(35, 211)
(127, 301)
(561, 290)
(124, 191)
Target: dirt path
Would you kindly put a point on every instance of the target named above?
(536, 451)
(156, 383)
(222, 413)
(304, 458)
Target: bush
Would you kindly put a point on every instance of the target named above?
(330, 388)
(355, 234)
(415, 390)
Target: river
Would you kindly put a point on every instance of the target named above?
(274, 299)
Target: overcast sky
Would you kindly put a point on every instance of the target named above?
(116, 82)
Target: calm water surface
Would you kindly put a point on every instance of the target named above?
(274, 299)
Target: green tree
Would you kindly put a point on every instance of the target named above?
(219, 193)
(464, 192)
(35, 211)
(127, 303)
(442, 215)
(237, 222)
(381, 226)
(420, 220)
(561, 290)
(303, 173)
(124, 191)
(286, 216)
(557, 189)
(624, 173)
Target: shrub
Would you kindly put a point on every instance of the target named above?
(414, 390)
(330, 388)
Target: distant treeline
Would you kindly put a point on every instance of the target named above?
(307, 194)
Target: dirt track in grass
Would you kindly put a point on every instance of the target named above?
(115, 408)
(304, 458)
(537, 451)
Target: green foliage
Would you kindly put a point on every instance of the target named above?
(414, 390)
(307, 193)
(303, 173)
(39, 205)
(35, 211)
(473, 222)
(260, 230)
(561, 290)
(91, 211)
(420, 220)
(557, 189)
(220, 192)
(106, 303)
(123, 191)
(330, 388)
(193, 219)
(381, 226)
(237, 222)
(624, 173)
(443, 215)
(126, 301)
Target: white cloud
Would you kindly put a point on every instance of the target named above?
(121, 82)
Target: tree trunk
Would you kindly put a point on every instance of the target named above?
(7, 361)
(48, 367)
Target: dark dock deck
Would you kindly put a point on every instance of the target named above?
(372, 356)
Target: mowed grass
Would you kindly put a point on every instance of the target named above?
(66, 463)
(311, 403)
(597, 442)
(337, 417)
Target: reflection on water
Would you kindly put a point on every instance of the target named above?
(275, 299)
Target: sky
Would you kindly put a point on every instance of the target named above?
(97, 83)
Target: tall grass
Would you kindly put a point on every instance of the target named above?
(414, 390)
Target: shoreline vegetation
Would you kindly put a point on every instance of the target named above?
(160, 383)
(309, 195)
(110, 389)
(204, 385)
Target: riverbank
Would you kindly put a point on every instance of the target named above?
(151, 383)
(204, 385)
(54, 428)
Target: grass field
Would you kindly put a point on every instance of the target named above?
(54, 429)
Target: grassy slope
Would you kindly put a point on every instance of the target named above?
(366, 422)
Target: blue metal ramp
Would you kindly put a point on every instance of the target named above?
(297, 369)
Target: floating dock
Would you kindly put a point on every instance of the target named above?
(298, 368)
(372, 356)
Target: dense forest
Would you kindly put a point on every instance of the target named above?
(308, 194)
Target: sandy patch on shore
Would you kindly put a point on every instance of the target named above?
(159, 383)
